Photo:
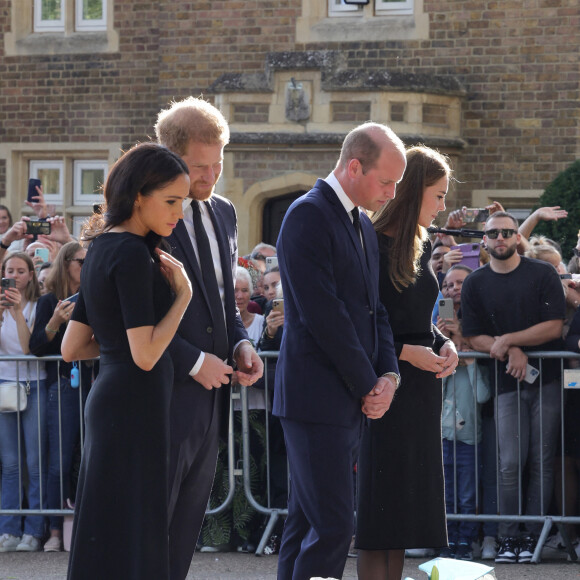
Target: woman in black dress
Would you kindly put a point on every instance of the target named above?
(131, 300)
(401, 497)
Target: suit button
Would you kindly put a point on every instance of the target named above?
(371, 312)
(209, 329)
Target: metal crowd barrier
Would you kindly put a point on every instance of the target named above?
(236, 465)
(546, 519)
(38, 363)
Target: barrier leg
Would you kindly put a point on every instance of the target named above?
(267, 532)
(537, 557)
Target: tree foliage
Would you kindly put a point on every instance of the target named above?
(565, 192)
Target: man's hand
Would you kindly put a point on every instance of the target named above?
(517, 363)
(500, 347)
(213, 372)
(378, 401)
(250, 365)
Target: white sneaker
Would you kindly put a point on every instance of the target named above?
(53, 544)
(8, 542)
(28, 544)
(489, 548)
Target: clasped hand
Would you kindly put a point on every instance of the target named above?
(377, 402)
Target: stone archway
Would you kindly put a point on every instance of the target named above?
(250, 205)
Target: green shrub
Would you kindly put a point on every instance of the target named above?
(565, 192)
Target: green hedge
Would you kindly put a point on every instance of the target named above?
(565, 192)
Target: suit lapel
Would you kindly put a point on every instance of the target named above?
(182, 236)
(344, 218)
(225, 260)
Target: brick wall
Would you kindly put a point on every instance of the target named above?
(518, 60)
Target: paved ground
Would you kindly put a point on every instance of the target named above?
(40, 566)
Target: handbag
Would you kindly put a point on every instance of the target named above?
(13, 396)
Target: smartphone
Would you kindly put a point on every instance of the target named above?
(532, 374)
(271, 262)
(446, 310)
(42, 253)
(38, 227)
(72, 298)
(6, 283)
(565, 276)
(470, 254)
(475, 214)
(32, 185)
(278, 305)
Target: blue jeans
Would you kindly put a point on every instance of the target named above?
(63, 421)
(33, 446)
(464, 476)
(537, 454)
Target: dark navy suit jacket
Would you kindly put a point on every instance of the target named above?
(337, 339)
(195, 332)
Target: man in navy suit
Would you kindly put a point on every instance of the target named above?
(337, 361)
(211, 337)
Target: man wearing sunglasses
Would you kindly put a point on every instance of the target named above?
(512, 305)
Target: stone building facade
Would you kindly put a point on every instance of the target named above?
(495, 85)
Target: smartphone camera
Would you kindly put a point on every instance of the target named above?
(38, 228)
(6, 283)
(32, 193)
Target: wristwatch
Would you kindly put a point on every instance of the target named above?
(3, 245)
(396, 377)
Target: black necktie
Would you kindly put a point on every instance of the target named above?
(356, 222)
(211, 286)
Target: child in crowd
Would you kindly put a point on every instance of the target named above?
(463, 394)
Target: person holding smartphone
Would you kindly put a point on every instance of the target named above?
(401, 503)
(24, 432)
(66, 397)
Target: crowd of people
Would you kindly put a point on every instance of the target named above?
(368, 312)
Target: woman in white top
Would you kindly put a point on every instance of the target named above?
(17, 314)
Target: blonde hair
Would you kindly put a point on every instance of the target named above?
(191, 120)
(541, 249)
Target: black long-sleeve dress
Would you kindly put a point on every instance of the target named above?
(121, 519)
(401, 501)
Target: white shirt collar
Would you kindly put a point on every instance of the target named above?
(344, 199)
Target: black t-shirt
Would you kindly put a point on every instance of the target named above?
(495, 304)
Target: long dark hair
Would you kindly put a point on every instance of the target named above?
(143, 169)
(400, 216)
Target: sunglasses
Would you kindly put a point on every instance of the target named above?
(505, 232)
(81, 261)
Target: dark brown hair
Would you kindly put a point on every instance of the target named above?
(143, 169)
(400, 216)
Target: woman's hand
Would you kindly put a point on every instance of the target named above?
(175, 274)
(274, 321)
(12, 298)
(451, 359)
(61, 314)
(423, 358)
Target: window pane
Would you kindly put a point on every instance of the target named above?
(92, 181)
(50, 180)
(50, 10)
(93, 9)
